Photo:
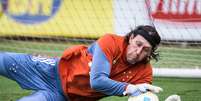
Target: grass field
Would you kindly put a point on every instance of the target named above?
(188, 89)
(183, 57)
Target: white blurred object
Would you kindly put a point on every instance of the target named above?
(177, 72)
(173, 98)
(148, 96)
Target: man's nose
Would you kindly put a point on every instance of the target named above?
(139, 50)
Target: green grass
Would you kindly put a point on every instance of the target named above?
(182, 57)
(188, 89)
(10, 91)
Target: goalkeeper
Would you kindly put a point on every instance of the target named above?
(113, 65)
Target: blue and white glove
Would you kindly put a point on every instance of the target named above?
(135, 90)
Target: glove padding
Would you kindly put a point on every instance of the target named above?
(135, 90)
(173, 98)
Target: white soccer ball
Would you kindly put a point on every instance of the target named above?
(148, 96)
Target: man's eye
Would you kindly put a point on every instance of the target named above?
(147, 50)
(138, 43)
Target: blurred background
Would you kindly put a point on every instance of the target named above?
(47, 27)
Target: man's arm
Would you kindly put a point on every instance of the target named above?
(100, 81)
(99, 76)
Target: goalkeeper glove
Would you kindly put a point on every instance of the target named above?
(135, 90)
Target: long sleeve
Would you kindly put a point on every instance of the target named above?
(100, 71)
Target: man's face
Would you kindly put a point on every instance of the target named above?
(138, 49)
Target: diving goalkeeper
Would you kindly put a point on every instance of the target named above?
(112, 66)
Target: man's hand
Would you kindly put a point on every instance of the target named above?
(134, 90)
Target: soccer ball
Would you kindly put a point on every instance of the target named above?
(148, 96)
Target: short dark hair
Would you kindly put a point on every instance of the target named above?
(150, 34)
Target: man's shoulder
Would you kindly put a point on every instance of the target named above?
(112, 41)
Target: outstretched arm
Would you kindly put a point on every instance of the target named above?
(99, 76)
(100, 81)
